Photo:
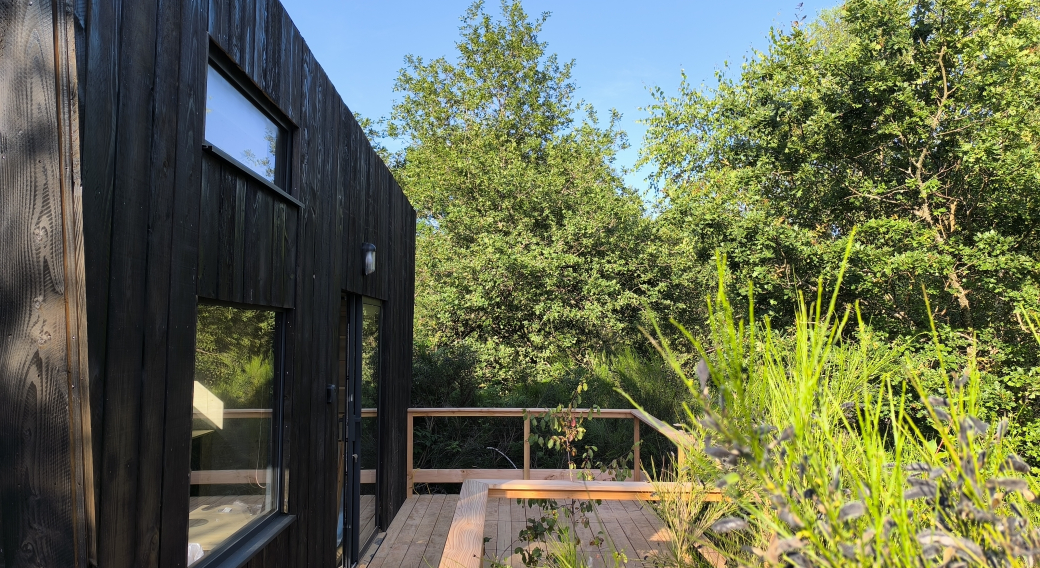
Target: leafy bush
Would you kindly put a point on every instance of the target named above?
(814, 441)
(916, 122)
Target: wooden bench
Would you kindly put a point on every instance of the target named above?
(465, 544)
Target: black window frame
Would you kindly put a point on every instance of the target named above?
(233, 74)
(253, 537)
(362, 301)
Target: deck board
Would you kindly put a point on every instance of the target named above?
(417, 536)
(432, 554)
(518, 520)
(423, 532)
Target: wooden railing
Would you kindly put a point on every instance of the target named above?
(259, 476)
(682, 440)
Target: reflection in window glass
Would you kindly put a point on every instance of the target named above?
(345, 413)
(239, 128)
(369, 426)
(232, 474)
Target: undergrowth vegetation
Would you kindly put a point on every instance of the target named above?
(814, 442)
(444, 377)
(917, 122)
(890, 421)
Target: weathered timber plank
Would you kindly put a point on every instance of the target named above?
(99, 117)
(291, 254)
(424, 531)
(159, 277)
(262, 256)
(128, 499)
(278, 247)
(209, 221)
(226, 234)
(435, 547)
(217, 21)
(262, 38)
(42, 499)
(251, 246)
(238, 254)
(68, 61)
(313, 399)
(464, 545)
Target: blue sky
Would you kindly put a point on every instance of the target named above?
(620, 48)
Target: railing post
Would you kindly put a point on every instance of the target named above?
(409, 465)
(527, 448)
(635, 450)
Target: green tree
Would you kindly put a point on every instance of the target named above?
(917, 121)
(529, 247)
(234, 354)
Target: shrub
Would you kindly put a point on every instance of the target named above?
(813, 442)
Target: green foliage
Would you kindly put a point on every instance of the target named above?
(234, 354)
(914, 122)
(557, 529)
(917, 122)
(813, 443)
(530, 248)
(444, 376)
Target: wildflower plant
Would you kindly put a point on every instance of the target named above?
(823, 464)
(556, 526)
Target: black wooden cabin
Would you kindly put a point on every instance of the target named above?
(206, 273)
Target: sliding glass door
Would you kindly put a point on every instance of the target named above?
(369, 435)
(358, 402)
(347, 495)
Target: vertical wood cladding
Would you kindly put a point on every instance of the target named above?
(166, 222)
(237, 211)
(46, 514)
(141, 67)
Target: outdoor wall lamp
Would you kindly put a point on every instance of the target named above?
(370, 257)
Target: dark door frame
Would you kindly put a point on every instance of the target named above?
(350, 430)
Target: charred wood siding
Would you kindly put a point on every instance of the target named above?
(46, 515)
(166, 222)
(141, 65)
(247, 239)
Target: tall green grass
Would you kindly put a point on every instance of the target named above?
(809, 435)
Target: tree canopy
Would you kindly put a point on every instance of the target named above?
(917, 122)
(529, 245)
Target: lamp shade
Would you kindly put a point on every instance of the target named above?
(369, 252)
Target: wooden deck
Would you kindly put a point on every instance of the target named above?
(418, 533)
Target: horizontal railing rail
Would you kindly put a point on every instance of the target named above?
(256, 476)
(233, 413)
(682, 440)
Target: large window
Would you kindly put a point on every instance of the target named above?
(234, 472)
(370, 324)
(244, 133)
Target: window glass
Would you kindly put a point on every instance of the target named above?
(345, 413)
(232, 471)
(369, 425)
(239, 128)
